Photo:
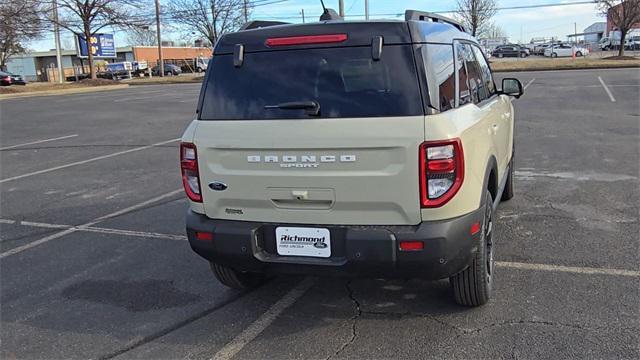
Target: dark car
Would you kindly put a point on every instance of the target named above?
(510, 51)
(7, 79)
(169, 69)
(100, 75)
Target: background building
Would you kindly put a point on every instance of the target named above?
(594, 32)
(40, 65)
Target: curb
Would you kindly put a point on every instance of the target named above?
(64, 91)
(556, 68)
(165, 83)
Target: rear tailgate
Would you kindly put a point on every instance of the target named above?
(333, 171)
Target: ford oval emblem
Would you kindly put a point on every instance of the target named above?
(320, 245)
(217, 186)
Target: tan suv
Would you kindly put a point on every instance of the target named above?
(376, 149)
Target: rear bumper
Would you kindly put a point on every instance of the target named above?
(367, 251)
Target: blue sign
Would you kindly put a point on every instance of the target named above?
(100, 45)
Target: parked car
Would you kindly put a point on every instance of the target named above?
(100, 75)
(169, 69)
(200, 64)
(565, 50)
(510, 51)
(632, 43)
(7, 79)
(540, 48)
(386, 188)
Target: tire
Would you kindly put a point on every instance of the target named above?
(474, 285)
(554, 55)
(523, 55)
(578, 54)
(236, 279)
(500, 56)
(507, 193)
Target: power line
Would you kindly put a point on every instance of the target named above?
(457, 11)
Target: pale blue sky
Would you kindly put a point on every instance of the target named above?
(520, 24)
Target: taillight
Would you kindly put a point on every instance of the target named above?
(441, 171)
(306, 40)
(190, 175)
(7, 78)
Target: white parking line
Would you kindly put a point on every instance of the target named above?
(104, 95)
(258, 326)
(607, 89)
(568, 269)
(86, 226)
(38, 142)
(96, 229)
(88, 160)
(529, 83)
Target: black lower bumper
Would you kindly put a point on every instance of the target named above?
(368, 251)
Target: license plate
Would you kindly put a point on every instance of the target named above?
(296, 241)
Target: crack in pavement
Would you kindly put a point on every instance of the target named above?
(354, 320)
(468, 331)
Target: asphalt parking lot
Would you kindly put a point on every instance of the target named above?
(94, 262)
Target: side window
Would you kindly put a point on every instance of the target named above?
(464, 95)
(487, 78)
(440, 75)
(476, 86)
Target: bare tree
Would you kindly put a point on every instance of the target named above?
(143, 36)
(88, 17)
(476, 14)
(209, 18)
(19, 23)
(492, 31)
(624, 14)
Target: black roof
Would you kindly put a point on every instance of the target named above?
(359, 33)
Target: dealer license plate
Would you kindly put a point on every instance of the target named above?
(297, 241)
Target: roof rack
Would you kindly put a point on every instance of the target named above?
(423, 15)
(261, 23)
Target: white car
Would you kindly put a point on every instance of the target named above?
(565, 50)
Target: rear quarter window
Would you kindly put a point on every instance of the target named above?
(346, 82)
(440, 75)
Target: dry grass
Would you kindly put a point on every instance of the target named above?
(166, 80)
(562, 64)
(41, 86)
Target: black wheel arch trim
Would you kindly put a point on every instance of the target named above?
(492, 165)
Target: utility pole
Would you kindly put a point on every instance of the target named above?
(160, 60)
(341, 8)
(366, 9)
(302, 12)
(575, 40)
(56, 30)
(246, 13)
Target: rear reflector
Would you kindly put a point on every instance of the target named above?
(204, 236)
(475, 228)
(306, 40)
(411, 245)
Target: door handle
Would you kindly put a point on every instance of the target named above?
(495, 128)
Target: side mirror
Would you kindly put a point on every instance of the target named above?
(512, 87)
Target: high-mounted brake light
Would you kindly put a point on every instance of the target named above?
(190, 174)
(441, 171)
(306, 40)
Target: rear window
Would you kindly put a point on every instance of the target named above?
(345, 82)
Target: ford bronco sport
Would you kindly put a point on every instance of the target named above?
(377, 148)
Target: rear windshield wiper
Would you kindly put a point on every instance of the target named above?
(310, 107)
